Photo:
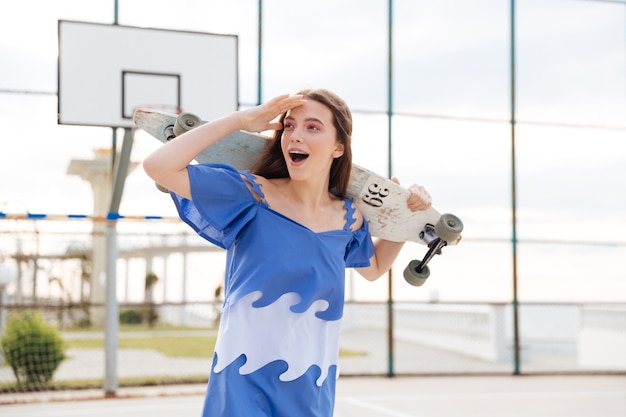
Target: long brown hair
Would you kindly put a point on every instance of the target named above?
(272, 162)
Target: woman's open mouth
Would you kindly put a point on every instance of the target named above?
(297, 156)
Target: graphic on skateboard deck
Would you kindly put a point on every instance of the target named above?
(381, 201)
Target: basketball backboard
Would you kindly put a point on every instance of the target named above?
(106, 71)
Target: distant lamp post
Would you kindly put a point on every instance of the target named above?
(8, 274)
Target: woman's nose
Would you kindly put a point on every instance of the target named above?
(296, 136)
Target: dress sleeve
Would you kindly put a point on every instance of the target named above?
(360, 249)
(221, 203)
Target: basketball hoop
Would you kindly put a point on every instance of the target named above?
(115, 80)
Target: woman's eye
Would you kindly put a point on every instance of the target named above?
(312, 127)
(288, 125)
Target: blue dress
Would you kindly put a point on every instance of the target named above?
(278, 341)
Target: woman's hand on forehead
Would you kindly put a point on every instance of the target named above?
(261, 118)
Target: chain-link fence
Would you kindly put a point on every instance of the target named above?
(511, 113)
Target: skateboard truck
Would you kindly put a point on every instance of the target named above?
(447, 229)
(168, 132)
(184, 123)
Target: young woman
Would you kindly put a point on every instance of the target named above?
(290, 233)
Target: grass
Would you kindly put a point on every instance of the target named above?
(183, 346)
(123, 328)
(13, 387)
(175, 346)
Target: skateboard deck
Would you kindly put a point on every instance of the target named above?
(382, 202)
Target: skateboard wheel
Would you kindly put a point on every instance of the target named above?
(185, 122)
(415, 277)
(161, 188)
(449, 227)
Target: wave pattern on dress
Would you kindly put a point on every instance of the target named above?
(301, 339)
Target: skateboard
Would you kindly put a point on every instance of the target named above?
(381, 201)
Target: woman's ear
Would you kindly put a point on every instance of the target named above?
(338, 150)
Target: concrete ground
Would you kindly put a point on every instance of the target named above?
(450, 396)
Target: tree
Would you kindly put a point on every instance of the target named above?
(151, 314)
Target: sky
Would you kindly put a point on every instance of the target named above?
(451, 93)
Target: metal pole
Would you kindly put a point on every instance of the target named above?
(516, 342)
(110, 314)
(35, 262)
(111, 306)
(111, 321)
(260, 55)
(390, 318)
(113, 130)
(3, 312)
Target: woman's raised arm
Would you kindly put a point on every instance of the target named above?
(168, 164)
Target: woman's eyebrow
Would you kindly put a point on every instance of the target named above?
(308, 119)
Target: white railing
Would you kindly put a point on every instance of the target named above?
(473, 330)
(602, 337)
(596, 335)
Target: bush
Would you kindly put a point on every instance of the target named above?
(32, 348)
(131, 317)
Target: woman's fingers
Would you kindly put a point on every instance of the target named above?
(420, 199)
(261, 118)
